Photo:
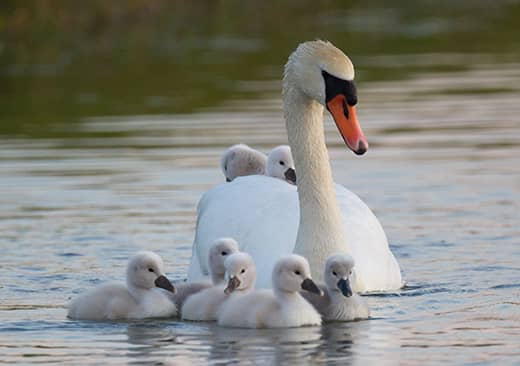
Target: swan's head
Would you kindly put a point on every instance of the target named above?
(292, 274)
(338, 273)
(221, 249)
(240, 272)
(280, 164)
(145, 270)
(324, 73)
(241, 160)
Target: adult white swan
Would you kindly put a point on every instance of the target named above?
(262, 213)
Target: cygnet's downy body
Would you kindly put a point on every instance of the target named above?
(282, 307)
(219, 252)
(240, 160)
(280, 164)
(147, 294)
(205, 305)
(339, 302)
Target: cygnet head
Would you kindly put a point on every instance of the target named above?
(145, 271)
(221, 249)
(338, 272)
(292, 274)
(241, 160)
(240, 272)
(280, 164)
(322, 72)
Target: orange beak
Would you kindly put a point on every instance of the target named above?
(346, 120)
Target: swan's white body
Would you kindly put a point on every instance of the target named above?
(271, 219)
(282, 307)
(139, 299)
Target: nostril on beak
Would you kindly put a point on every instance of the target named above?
(362, 148)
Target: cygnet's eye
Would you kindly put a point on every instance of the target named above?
(282, 162)
(297, 273)
(243, 270)
(224, 253)
(334, 273)
(150, 270)
(350, 273)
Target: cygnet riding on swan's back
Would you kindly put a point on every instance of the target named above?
(240, 160)
(146, 294)
(282, 307)
(339, 302)
(272, 219)
(280, 164)
(221, 249)
(240, 274)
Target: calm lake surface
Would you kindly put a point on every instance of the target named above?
(82, 189)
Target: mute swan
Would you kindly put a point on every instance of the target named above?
(272, 219)
(221, 249)
(144, 295)
(339, 302)
(282, 307)
(241, 274)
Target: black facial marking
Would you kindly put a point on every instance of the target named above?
(335, 86)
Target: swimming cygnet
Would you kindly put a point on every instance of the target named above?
(205, 305)
(280, 164)
(146, 294)
(339, 303)
(240, 160)
(218, 253)
(281, 307)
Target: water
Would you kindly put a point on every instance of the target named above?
(80, 193)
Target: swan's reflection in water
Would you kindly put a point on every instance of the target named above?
(168, 342)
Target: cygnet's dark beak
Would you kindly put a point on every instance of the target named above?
(232, 285)
(228, 180)
(164, 283)
(344, 286)
(290, 175)
(309, 285)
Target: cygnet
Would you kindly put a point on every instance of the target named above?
(146, 294)
(241, 160)
(282, 307)
(221, 249)
(339, 302)
(280, 164)
(205, 305)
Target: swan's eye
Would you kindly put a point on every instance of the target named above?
(243, 271)
(282, 162)
(150, 270)
(297, 273)
(224, 253)
(334, 273)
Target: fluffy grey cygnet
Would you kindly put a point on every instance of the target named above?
(218, 253)
(145, 295)
(339, 302)
(282, 307)
(205, 305)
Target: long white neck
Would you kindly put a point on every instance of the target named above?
(320, 232)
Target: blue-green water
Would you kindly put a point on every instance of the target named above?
(80, 193)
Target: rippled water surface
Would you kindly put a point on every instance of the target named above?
(442, 175)
(80, 193)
